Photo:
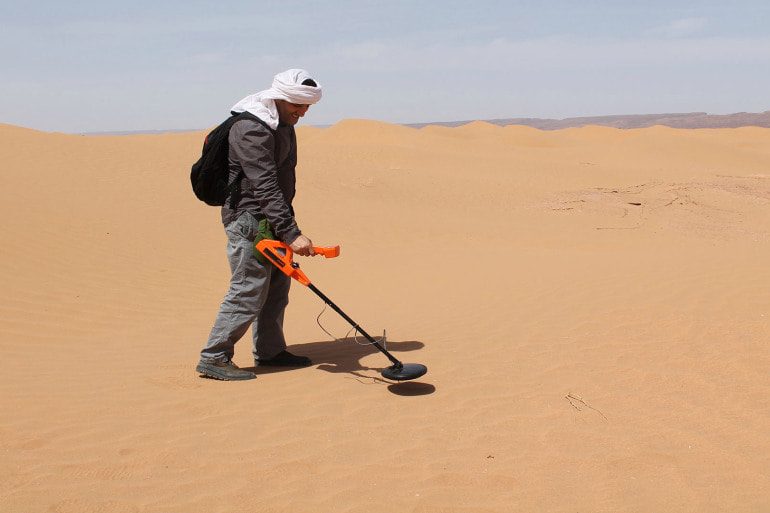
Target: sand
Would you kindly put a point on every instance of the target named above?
(592, 305)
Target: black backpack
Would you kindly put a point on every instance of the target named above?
(210, 175)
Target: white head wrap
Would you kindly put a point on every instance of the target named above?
(286, 86)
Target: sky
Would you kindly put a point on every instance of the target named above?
(100, 65)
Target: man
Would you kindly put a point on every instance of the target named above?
(263, 153)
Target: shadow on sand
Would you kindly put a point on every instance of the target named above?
(344, 357)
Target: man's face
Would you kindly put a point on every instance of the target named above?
(289, 113)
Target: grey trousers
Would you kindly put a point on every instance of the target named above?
(257, 297)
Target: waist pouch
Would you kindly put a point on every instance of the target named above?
(263, 232)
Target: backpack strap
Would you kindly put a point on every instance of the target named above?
(234, 188)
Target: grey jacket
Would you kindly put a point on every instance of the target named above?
(266, 159)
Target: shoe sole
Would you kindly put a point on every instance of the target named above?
(213, 372)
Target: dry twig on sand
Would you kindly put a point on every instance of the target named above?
(576, 401)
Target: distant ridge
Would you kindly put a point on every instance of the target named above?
(143, 132)
(673, 120)
(676, 120)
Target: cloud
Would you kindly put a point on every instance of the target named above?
(684, 27)
(533, 55)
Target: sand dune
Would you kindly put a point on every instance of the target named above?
(592, 305)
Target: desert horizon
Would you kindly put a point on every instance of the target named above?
(591, 304)
(685, 120)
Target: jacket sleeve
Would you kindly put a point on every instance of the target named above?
(253, 147)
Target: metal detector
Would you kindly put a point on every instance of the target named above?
(281, 255)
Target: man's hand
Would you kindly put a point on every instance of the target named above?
(302, 246)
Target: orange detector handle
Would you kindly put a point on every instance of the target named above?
(327, 251)
(281, 255)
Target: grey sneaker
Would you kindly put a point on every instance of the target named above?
(226, 371)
